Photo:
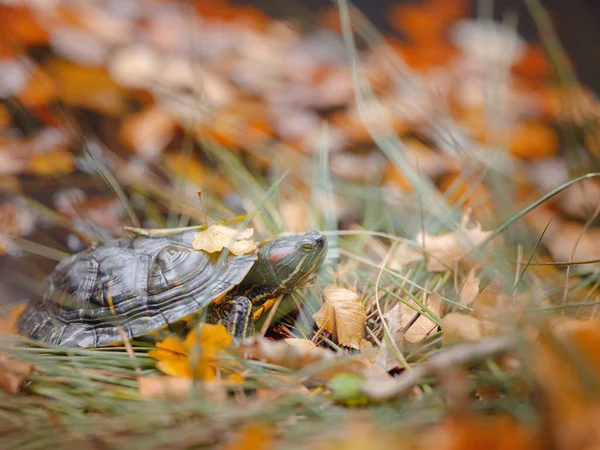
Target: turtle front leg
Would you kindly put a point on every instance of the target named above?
(236, 314)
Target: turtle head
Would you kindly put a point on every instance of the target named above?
(287, 262)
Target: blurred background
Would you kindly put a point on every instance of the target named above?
(151, 113)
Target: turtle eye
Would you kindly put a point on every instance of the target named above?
(307, 247)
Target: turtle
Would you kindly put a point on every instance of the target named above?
(147, 285)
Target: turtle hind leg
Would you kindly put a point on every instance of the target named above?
(236, 314)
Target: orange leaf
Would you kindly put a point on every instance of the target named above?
(477, 432)
(250, 437)
(56, 162)
(8, 319)
(87, 87)
(420, 23)
(533, 140)
(533, 64)
(20, 25)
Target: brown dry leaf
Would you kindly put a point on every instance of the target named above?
(217, 237)
(13, 373)
(295, 215)
(469, 289)
(177, 387)
(298, 353)
(422, 326)
(148, 132)
(342, 314)
(87, 87)
(459, 327)
(566, 364)
(385, 357)
(473, 432)
(446, 250)
(57, 162)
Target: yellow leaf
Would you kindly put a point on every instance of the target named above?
(217, 237)
(171, 348)
(342, 314)
(185, 167)
(446, 250)
(422, 326)
(56, 162)
(196, 357)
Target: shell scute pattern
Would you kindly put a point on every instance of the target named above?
(138, 285)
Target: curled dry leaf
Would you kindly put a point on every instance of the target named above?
(386, 358)
(422, 326)
(446, 250)
(342, 314)
(217, 237)
(459, 327)
(298, 353)
(470, 289)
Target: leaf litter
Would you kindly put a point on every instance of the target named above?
(472, 355)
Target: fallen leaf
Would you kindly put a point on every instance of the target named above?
(148, 132)
(474, 432)
(566, 364)
(57, 162)
(13, 373)
(423, 326)
(469, 289)
(185, 167)
(533, 140)
(419, 22)
(217, 237)
(9, 317)
(87, 87)
(342, 314)
(386, 358)
(298, 353)
(459, 327)
(194, 357)
(257, 436)
(446, 250)
(178, 388)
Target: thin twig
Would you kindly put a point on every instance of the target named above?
(378, 389)
(272, 312)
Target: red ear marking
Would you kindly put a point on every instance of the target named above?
(277, 256)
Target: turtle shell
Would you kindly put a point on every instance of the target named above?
(137, 285)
